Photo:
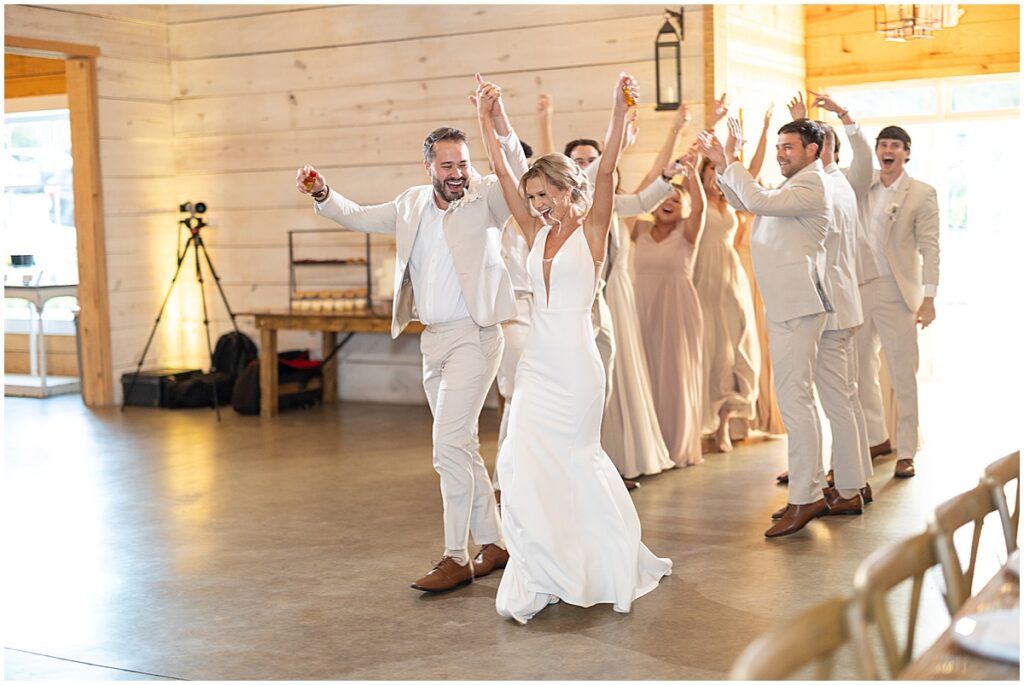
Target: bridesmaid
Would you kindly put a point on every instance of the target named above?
(732, 355)
(670, 315)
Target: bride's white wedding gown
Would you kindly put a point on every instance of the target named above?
(570, 526)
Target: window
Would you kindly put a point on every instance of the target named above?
(39, 215)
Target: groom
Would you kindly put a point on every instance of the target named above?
(450, 275)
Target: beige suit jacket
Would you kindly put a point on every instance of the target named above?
(472, 228)
(787, 240)
(912, 245)
(841, 255)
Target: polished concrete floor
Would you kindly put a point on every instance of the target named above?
(160, 544)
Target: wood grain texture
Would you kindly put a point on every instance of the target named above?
(843, 48)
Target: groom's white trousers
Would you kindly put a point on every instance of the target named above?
(460, 360)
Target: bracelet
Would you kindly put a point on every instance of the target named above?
(667, 179)
(321, 193)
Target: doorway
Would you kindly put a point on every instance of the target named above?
(76, 196)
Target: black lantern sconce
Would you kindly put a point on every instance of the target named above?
(668, 62)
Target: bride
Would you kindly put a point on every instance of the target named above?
(570, 526)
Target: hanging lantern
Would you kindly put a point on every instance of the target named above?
(668, 63)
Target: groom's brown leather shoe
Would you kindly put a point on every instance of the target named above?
(904, 468)
(489, 558)
(779, 513)
(865, 493)
(630, 483)
(796, 517)
(881, 449)
(447, 574)
(837, 505)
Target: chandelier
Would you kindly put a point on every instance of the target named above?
(912, 22)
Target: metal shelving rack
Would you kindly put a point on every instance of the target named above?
(329, 300)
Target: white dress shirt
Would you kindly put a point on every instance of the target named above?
(435, 285)
(880, 209)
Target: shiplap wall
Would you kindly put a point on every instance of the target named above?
(759, 59)
(222, 103)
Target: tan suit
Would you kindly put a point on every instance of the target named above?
(787, 245)
(836, 373)
(891, 302)
(460, 358)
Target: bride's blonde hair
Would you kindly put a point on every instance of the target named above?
(561, 172)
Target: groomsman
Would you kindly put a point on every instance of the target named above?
(788, 250)
(898, 269)
(836, 374)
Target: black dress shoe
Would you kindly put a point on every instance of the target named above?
(782, 478)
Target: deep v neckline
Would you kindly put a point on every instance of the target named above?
(546, 274)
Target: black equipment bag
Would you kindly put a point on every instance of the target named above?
(232, 354)
(299, 383)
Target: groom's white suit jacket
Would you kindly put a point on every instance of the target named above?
(472, 228)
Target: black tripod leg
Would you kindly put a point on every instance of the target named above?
(159, 315)
(216, 280)
(206, 325)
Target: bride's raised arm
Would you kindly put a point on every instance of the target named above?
(486, 97)
(599, 219)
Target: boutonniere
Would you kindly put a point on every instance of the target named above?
(472, 194)
(892, 210)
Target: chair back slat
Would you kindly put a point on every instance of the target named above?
(812, 637)
(949, 517)
(997, 475)
(875, 578)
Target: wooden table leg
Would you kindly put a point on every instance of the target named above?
(330, 369)
(268, 372)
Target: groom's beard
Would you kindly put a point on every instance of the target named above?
(449, 195)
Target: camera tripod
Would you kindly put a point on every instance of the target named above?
(194, 224)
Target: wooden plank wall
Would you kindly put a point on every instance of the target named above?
(843, 48)
(61, 355)
(221, 103)
(354, 90)
(759, 59)
(136, 152)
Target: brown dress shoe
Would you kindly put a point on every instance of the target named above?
(779, 513)
(630, 483)
(447, 574)
(865, 494)
(838, 505)
(904, 468)
(796, 517)
(489, 558)
(881, 449)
